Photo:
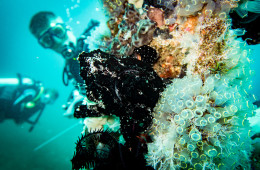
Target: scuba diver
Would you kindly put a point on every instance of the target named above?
(52, 33)
(21, 98)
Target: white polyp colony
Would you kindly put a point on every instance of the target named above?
(201, 123)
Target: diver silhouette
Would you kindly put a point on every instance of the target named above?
(21, 98)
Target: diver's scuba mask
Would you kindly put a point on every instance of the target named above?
(53, 34)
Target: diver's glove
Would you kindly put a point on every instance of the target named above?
(73, 102)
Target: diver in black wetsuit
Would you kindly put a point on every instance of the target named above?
(53, 33)
(21, 98)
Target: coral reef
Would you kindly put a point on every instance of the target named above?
(172, 80)
(169, 64)
(133, 29)
(114, 8)
(137, 3)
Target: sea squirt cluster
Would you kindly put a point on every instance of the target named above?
(201, 125)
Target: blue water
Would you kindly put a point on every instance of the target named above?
(20, 53)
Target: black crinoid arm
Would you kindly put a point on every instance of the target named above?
(96, 149)
(125, 87)
(100, 150)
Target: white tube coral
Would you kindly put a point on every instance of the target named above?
(215, 126)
